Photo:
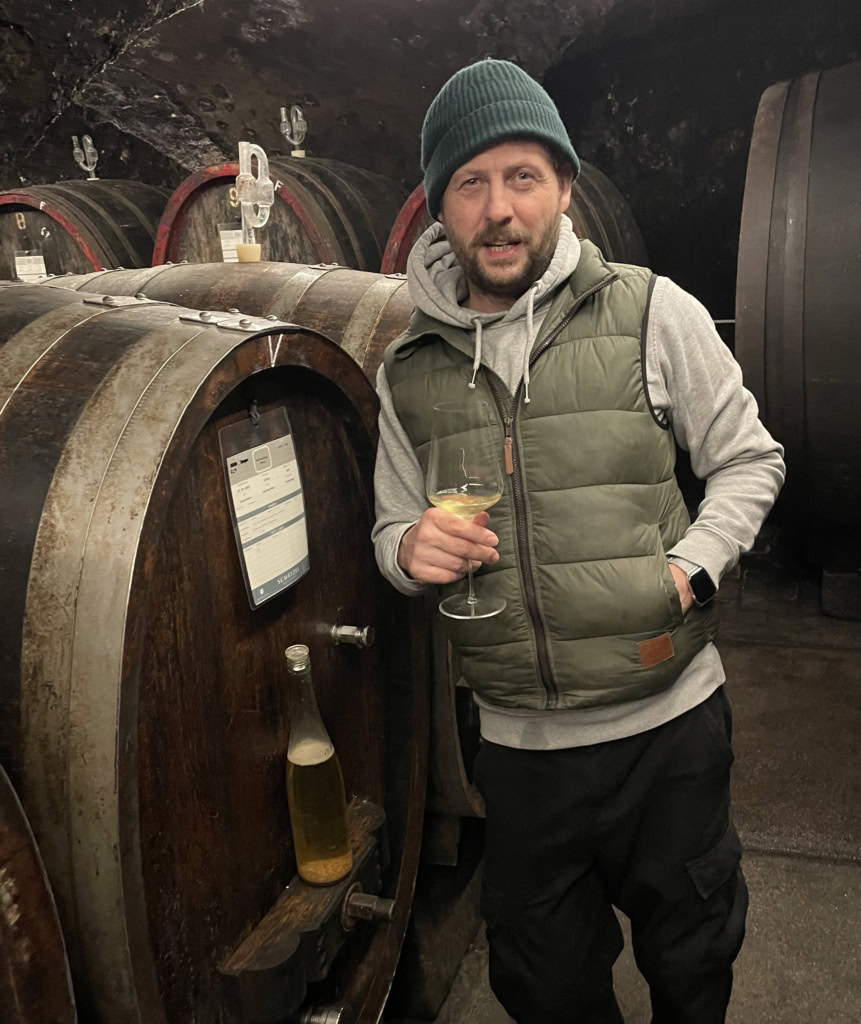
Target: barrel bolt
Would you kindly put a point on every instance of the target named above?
(234, 310)
(245, 322)
(361, 906)
(109, 300)
(271, 316)
(206, 316)
(140, 295)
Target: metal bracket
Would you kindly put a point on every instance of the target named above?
(116, 300)
(86, 158)
(255, 323)
(205, 317)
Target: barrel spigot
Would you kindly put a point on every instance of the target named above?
(358, 636)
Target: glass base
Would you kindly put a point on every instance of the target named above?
(458, 607)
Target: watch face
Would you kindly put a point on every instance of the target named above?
(702, 586)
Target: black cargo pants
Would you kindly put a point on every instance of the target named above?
(642, 823)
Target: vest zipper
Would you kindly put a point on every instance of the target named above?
(512, 468)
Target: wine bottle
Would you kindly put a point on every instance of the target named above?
(315, 785)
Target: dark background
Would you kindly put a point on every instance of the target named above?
(660, 94)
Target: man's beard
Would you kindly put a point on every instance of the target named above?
(538, 257)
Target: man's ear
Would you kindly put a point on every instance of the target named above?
(566, 181)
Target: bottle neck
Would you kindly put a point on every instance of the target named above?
(306, 725)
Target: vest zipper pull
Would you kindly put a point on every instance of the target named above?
(509, 457)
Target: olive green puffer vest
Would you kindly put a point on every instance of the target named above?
(593, 616)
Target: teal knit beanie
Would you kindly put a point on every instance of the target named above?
(478, 107)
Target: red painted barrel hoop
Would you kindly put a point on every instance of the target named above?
(22, 199)
(174, 214)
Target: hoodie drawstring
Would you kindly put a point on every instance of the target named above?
(530, 341)
(527, 352)
(476, 363)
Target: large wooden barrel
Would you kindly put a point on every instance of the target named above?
(798, 295)
(360, 311)
(35, 987)
(363, 313)
(77, 226)
(324, 212)
(144, 704)
(598, 211)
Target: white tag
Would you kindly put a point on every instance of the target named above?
(229, 238)
(30, 267)
(269, 513)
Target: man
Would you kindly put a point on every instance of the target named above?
(606, 751)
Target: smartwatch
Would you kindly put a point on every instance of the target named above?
(702, 586)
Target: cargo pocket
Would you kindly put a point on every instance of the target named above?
(714, 868)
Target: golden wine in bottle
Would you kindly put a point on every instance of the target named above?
(315, 785)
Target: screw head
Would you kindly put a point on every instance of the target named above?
(271, 316)
(245, 322)
(206, 316)
(233, 310)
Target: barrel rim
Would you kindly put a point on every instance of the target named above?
(176, 211)
(403, 223)
(44, 206)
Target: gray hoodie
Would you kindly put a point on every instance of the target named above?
(693, 383)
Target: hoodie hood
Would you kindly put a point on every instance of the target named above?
(437, 286)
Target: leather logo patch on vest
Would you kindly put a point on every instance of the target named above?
(653, 652)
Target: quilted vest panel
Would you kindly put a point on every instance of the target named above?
(593, 616)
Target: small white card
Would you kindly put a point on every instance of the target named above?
(230, 238)
(30, 267)
(267, 504)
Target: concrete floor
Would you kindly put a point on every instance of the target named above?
(794, 680)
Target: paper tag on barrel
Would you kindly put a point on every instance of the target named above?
(266, 503)
(30, 266)
(229, 235)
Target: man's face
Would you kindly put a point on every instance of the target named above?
(501, 214)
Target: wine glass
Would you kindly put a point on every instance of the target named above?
(464, 477)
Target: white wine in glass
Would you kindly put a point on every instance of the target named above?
(464, 477)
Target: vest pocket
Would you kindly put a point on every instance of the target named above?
(669, 584)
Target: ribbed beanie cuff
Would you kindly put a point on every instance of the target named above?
(478, 107)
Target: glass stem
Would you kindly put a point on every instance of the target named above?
(472, 599)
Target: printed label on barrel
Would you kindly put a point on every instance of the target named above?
(266, 503)
(30, 266)
(229, 235)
